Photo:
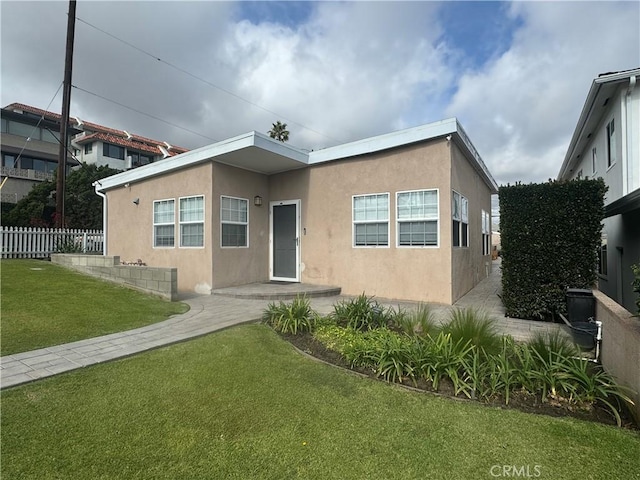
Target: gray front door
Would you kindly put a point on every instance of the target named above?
(285, 241)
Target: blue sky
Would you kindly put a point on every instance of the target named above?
(515, 74)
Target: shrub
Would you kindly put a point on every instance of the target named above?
(550, 234)
(360, 313)
(473, 326)
(296, 316)
(418, 322)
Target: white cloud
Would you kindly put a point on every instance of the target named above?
(520, 110)
(349, 70)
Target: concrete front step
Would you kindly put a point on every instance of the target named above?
(277, 291)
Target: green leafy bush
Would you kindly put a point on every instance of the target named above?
(360, 313)
(550, 234)
(479, 364)
(294, 317)
(420, 322)
(473, 326)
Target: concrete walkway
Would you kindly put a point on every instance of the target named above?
(210, 313)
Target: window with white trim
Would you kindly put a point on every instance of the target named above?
(191, 219)
(417, 216)
(234, 219)
(371, 220)
(594, 161)
(164, 223)
(611, 143)
(486, 233)
(460, 214)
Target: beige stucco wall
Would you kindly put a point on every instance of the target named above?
(130, 226)
(237, 266)
(469, 266)
(327, 253)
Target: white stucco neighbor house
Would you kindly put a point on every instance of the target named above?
(606, 143)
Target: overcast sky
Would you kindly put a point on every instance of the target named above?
(516, 75)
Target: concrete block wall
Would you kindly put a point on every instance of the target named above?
(155, 280)
(620, 345)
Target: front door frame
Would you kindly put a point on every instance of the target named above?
(280, 203)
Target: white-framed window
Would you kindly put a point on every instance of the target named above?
(371, 220)
(594, 161)
(486, 233)
(417, 216)
(611, 143)
(460, 214)
(234, 222)
(191, 218)
(164, 223)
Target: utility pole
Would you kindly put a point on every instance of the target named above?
(64, 121)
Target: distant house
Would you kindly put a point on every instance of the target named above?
(30, 148)
(606, 143)
(404, 215)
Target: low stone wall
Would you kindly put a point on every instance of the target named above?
(158, 281)
(620, 344)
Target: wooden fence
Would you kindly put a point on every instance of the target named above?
(18, 242)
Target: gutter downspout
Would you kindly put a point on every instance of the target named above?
(104, 215)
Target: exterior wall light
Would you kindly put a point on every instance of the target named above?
(137, 201)
(257, 201)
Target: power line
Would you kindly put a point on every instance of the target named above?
(228, 92)
(144, 113)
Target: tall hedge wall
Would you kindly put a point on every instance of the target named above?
(550, 234)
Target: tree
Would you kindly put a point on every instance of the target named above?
(83, 208)
(279, 131)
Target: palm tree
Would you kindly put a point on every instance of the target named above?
(279, 131)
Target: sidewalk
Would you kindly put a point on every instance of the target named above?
(210, 313)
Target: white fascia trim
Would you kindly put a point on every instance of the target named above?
(384, 142)
(200, 155)
(586, 113)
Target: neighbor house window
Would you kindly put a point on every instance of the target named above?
(611, 144)
(460, 209)
(234, 221)
(192, 221)
(371, 220)
(486, 233)
(594, 161)
(88, 147)
(164, 223)
(112, 151)
(417, 218)
(602, 258)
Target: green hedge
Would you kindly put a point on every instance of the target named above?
(549, 234)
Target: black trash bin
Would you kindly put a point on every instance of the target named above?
(581, 305)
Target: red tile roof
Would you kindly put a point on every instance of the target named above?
(100, 132)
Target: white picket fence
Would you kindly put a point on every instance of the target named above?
(19, 242)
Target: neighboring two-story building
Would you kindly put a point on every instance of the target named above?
(606, 143)
(30, 148)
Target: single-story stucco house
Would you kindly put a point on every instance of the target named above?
(404, 215)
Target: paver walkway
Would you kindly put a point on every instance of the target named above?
(209, 313)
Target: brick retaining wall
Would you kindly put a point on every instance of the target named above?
(156, 280)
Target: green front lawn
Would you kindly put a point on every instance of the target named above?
(241, 403)
(44, 305)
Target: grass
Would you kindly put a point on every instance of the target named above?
(44, 305)
(243, 404)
